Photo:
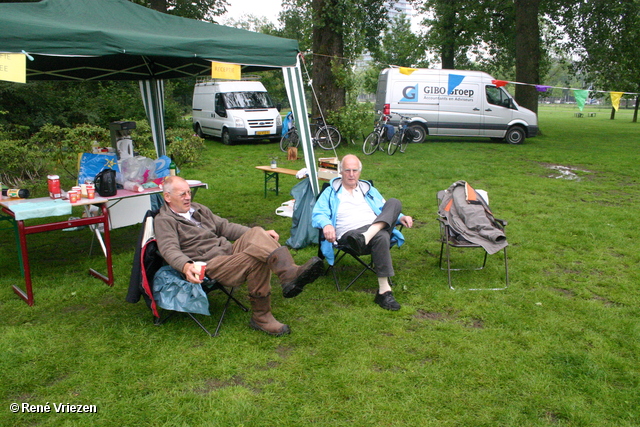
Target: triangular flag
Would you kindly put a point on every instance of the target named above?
(454, 82)
(541, 88)
(615, 99)
(581, 96)
(499, 83)
(407, 71)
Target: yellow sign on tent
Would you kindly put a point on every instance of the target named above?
(13, 67)
(221, 70)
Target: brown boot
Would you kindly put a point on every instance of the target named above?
(293, 278)
(263, 320)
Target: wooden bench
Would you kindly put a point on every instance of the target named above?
(274, 174)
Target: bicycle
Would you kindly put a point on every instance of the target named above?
(378, 136)
(324, 136)
(402, 137)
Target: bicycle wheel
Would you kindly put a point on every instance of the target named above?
(290, 139)
(371, 143)
(394, 143)
(328, 137)
(405, 141)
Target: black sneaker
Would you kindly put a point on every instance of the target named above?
(387, 301)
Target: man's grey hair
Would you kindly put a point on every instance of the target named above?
(342, 161)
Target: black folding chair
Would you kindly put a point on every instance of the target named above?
(150, 261)
(341, 251)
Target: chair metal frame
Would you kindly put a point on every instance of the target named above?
(447, 240)
(208, 285)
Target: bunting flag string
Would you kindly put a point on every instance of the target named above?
(543, 88)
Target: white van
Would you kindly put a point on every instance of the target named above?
(453, 103)
(235, 111)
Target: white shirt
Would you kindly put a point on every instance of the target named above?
(353, 211)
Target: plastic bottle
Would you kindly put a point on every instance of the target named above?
(19, 193)
(133, 186)
(172, 168)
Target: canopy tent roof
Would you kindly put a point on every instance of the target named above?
(120, 40)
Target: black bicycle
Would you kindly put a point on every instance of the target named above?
(377, 139)
(323, 135)
(403, 136)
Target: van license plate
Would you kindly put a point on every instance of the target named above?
(263, 132)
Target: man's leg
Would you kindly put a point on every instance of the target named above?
(248, 264)
(376, 240)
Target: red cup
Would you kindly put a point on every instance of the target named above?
(73, 196)
(201, 266)
(91, 191)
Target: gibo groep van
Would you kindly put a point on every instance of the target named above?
(453, 103)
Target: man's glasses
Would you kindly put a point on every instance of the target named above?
(184, 194)
(350, 170)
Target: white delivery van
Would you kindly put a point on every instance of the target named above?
(235, 111)
(453, 103)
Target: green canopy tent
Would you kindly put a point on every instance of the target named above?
(120, 40)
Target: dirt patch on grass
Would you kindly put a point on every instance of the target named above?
(566, 292)
(212, 384)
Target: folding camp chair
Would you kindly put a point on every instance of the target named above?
(341, 251)
(150, 262)
(450, 239)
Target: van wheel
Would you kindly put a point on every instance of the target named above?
(419, 133)
(515, 135)
(226, 138)
(199, 131)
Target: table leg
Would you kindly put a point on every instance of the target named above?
(109, 280)
(268, 177)
(28, 296)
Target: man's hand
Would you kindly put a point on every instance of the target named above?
(407, 221)
(329, 233)
(273, 234)
(191, 273)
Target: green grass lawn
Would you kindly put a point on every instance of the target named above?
(560, 347)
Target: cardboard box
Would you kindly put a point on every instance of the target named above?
(328, 163)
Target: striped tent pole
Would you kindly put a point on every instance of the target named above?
(295, 91)
(152, 92)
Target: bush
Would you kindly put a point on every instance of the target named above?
(354, 121)
(22, 163)
(183, 146)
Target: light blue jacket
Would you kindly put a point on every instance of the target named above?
(325, 211)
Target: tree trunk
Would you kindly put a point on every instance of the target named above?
(527, 52)
(613, 114)
(328, 49)
(635, 112)
(448, 20)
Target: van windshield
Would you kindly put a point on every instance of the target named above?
(245, 100)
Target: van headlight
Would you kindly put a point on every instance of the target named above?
(278, 120)
(239, 122)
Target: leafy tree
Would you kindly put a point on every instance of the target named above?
(203, 10)
(606, 38)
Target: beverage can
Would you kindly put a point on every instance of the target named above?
(54, 186)
(201, 266)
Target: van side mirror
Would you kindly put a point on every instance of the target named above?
(279, 106)
(221, 112)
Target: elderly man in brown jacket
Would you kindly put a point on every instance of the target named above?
(188, 232)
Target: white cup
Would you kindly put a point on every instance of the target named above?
(201, 266)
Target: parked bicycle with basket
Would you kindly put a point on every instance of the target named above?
(323, 135)
(378, 139)
(403, 136)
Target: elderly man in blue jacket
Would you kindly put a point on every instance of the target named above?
(351, 211)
